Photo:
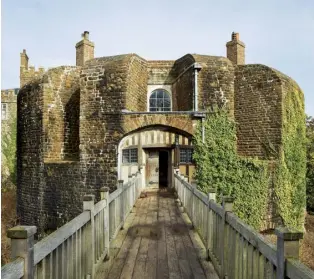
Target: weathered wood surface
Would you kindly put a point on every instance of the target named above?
(157, 242)
(52, 241)
(13, 270)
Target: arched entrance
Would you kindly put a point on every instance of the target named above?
(156, 151)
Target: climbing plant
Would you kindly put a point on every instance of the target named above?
(220, 167)
(8, 147)
(310, 164)
(249, 180)
(290, 179)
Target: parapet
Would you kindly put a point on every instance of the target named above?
(27, 75)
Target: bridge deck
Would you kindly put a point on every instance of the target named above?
(157, 242)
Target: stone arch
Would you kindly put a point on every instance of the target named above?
(182, 122)
(150, 137)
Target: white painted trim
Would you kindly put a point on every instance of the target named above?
(152, 87)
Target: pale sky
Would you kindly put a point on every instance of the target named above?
(277, 33)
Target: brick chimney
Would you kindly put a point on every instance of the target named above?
(24, 59)
(236, 50)
(84, 50)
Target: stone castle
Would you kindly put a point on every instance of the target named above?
(84, 127)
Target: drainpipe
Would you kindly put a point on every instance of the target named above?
(203, 130)
(197, 68)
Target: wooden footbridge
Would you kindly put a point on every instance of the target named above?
(136, 232)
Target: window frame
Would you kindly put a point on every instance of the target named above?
(130, 156)
(186, 161)
(156, 107)
(4, 111)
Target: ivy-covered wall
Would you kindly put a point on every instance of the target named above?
(290, 176)
(220, 167)
(271, 188)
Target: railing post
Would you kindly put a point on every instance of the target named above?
(122, 205)
(130, 192)
(185, 178)
(227, 204)
(288, 246)
(104, 195)
(133, 189)
(22, 245)
(88, 204)
(210, 222)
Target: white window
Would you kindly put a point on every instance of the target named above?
(159, 100)
(129, 156)
(4, 111)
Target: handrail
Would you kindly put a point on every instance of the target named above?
(236, 249)
(13, 269)
(52, 241)
(62, 254)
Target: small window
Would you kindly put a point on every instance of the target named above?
(159, 101)
(4, 111)
(129, 156)
(186, 156)
(16, 91)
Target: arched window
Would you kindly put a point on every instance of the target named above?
(159, 100)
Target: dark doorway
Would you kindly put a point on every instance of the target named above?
(163, 168)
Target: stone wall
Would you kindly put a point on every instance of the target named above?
(258, 111)
(30, 145)
(61, 113)
(161, 72)
(136, 96)
(215, 82)
(63, 194)
(72, 119)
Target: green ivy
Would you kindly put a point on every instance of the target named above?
(220, 167)
(310, 165)
(290, 179)
(8, 147)
(249, 180)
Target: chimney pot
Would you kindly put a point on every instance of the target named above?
(235, 36)
(86, 35)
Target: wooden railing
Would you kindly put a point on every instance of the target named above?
(78, 248)
(236, 249)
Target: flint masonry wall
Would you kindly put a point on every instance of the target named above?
(258, 110)
(30, 144)
(183, 86)
(72, 119)
(215, 82)
(61, 113)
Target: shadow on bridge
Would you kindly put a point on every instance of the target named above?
(157, 242)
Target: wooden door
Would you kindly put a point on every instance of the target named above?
(152, 173)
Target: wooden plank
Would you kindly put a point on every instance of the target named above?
(140, 264)
(254, 238)
(52, 241)
(119, 261)
(216, 208)
(14, 269)
(162, 259)
(173, 263)
(151, 262)
(100, 206)
(297, 270)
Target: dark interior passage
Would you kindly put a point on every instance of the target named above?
(163, 168)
